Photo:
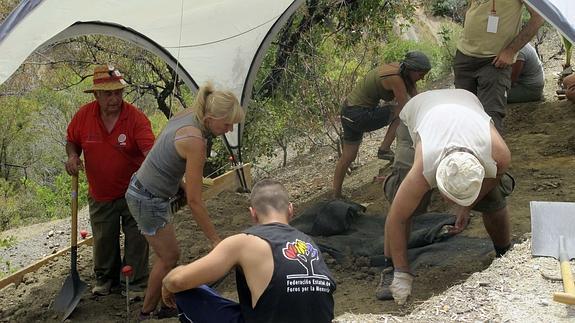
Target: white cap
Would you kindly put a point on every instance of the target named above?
(459, 177)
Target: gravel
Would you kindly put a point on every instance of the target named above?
(35, 242)
(515, 288)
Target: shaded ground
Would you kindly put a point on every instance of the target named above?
(542, 141)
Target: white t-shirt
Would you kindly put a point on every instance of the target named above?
(443, 119)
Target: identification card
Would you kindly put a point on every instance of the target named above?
(492, 22)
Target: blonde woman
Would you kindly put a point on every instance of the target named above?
(179, 151)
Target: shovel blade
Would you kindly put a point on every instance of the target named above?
(69, 295)
(549, 221)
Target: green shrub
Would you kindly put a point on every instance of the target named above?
(7, 242)
(158, 121)
(453, 9)
(441, 61)
(55, 200)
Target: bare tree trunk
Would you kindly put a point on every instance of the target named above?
(284, 146)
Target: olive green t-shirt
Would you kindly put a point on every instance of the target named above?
(475, 41)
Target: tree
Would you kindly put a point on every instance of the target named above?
(312, 66)
(147, 75)
(16, 129)
(351, 20)
(5, 7)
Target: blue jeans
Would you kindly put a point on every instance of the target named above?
(150, 212)
(204, 305)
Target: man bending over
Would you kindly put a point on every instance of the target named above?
(459, 151)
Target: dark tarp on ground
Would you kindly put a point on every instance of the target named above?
(342, 230)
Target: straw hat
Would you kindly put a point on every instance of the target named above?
(459, 177)
(106, 78)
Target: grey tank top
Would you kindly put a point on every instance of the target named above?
(163, 169)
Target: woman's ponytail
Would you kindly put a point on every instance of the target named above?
(199, 106)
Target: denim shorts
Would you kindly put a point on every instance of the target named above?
(150, 212)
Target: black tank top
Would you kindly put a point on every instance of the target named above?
(301, 286)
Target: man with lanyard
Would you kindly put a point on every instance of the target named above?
(114, 137)
(492, 36)
(281, 275)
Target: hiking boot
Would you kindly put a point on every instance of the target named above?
(385, 154)
(382, 292)
(500, 251)
(102, 289)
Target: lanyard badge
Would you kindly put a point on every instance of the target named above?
(492, 19)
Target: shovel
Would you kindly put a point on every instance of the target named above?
(568, 297)
(552, 226)
(73, 287)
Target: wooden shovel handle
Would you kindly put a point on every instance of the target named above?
(564, 298)
(74, 233)
(567, 276)
(569, 296)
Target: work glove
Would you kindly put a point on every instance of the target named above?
(401, 286)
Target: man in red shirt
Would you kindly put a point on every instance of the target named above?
(115, 137)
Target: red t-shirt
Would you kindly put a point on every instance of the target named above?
(110, 158)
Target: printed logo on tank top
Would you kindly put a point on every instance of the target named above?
(306, 280)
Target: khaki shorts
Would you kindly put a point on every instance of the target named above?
(391, 185)
(494, 200)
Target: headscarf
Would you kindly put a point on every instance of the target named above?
(416, 61)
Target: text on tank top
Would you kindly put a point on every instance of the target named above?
(300, 281)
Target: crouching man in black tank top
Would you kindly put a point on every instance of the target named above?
(281, 275)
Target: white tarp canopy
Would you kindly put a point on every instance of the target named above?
(559, 13)
(222, 41)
